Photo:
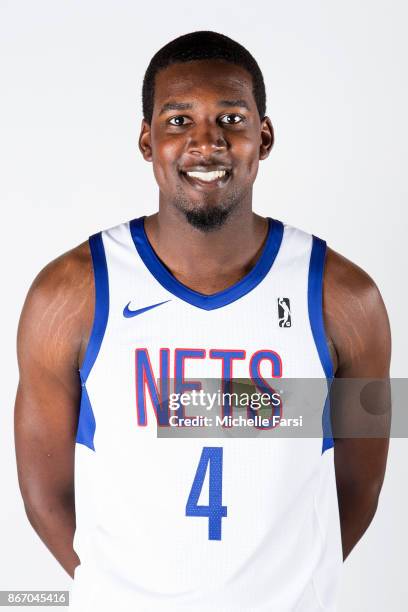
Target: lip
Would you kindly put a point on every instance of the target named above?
(200, 185)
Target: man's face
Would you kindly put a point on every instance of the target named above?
(205, 139)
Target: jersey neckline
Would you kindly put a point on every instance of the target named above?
(195, 298)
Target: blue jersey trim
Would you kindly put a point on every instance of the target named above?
(315, 304)
(86, 421)
(215, 300)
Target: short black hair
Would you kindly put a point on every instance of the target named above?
(201, 45)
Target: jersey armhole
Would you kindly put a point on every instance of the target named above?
(315, 306)
(101, 309)
(86, 420)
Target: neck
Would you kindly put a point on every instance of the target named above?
(207, 261)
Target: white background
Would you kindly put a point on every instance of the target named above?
(70, 114)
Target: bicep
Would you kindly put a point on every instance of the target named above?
(356, 320)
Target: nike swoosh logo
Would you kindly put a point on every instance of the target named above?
(133, 313)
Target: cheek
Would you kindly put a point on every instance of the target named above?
(164, 165)
(248, 157)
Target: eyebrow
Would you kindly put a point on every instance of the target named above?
(242, 103)
(188, 105)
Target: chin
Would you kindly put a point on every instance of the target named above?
(205, 217)
(206, 213)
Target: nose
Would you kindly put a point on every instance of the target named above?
(205, 139)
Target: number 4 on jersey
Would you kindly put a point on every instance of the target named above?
(210, 457)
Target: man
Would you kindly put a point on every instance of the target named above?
(101, 334)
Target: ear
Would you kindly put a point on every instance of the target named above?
(145, 145)
(267, 138)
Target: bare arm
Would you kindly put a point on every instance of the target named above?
(53, 330)
(357, 323)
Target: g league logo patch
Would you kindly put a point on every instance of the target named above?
(284, 314)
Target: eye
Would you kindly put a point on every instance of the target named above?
(180, 119)
(234, 116)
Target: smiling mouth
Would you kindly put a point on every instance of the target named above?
(207, 179)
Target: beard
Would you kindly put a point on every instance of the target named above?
(207, 216)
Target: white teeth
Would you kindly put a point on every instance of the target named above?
(208, 176)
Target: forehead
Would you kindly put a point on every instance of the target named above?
(203, 78)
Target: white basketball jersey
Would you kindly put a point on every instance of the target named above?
(220, 524)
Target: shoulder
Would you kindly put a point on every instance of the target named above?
(347, 284)
(58, 310)
(65, 273)
(355, 316)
